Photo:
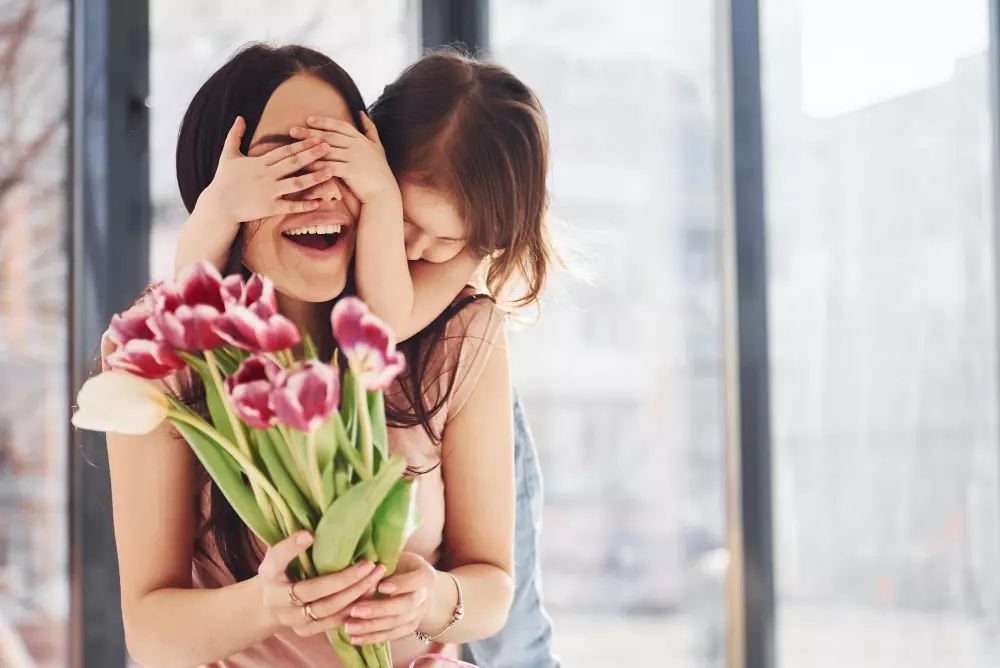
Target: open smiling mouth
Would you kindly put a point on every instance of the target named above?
(316, 237)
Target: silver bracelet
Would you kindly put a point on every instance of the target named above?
(456, 616)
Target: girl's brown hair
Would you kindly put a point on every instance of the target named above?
(476, 132)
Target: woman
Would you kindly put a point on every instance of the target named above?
(192, 590)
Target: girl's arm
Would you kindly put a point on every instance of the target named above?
(408, 296)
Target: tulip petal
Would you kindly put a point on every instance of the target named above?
(120, 402)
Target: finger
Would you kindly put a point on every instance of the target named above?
(327, 585)
(302, 182)
(297, 161)
(360, 629)
(286, 206)
(405, 583)
(339, 602)
(387, 607)
(274, 156)
(333, 125)
(402, 631)
(331, 138)
(234, 138)
(279, 556)
(370, 130)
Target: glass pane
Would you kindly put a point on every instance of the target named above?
(373, 41)
(34, 218)
(622, 380)
(882, 296)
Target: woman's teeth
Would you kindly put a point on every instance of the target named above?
(316, 229)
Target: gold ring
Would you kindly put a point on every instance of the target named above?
(296, 601)
(308, 613)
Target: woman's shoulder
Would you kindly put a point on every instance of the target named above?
(476, 316)
(472, 334)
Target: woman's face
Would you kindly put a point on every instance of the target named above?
(306, 254)
(433, 230)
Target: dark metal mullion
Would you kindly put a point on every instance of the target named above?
(449, 22)
(751, 590)
(109, 254)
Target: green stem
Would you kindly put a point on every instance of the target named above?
(241, 437)
(299, 464)
(367, 448)
(314, 473)
(251, 470)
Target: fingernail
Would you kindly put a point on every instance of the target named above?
(361, 613)
(304, 539)
(365, 567)
(387, 588)
(312, 119)
(355, 641)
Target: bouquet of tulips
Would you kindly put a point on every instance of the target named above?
(290, 444)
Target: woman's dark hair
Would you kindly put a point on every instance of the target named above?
(242, 87)
(475, 131)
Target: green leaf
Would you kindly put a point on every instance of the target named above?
(220, 418)
(371, 658)
(365, 545)
(326, 440)
(280, 476)
(288, 461)
(344, 522)
(228, 362)
(341, 482)
(308, 347)
(226, 474)
(327, 477)
(376, 408)
(348, 654)
(347, 447)
(395, 521)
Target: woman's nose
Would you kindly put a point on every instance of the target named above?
(327, 191)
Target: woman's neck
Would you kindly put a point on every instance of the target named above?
(307, 316)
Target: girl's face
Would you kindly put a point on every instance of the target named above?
(307, 255)
(433, 230)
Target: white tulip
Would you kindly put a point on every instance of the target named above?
(119, 402)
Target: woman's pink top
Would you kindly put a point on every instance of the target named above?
(464, 349)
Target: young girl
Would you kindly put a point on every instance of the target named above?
(467, 144)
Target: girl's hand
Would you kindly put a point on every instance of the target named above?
(399, 615)
(247, 188)
(311, 606)
(357, 159)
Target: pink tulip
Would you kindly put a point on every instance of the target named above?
(257, 329)
(367, 343)
(138, 351)
(306, 394)
(249, 391)
(184, 314)
(252, 321)
(259, 290)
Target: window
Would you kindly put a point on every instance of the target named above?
(883, 342)
(34, 527)
(622, 382)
